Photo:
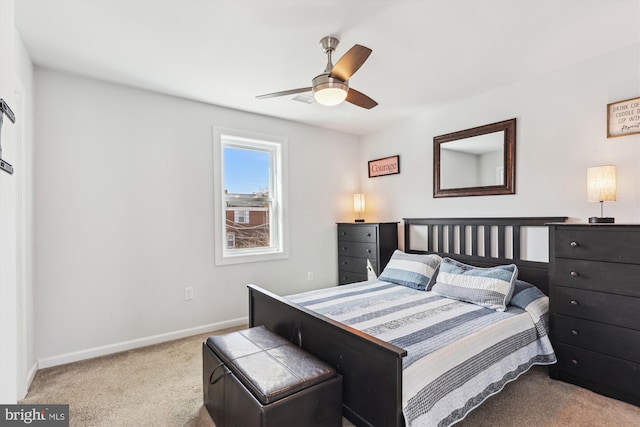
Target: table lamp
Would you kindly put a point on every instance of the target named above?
(358, 205)
(601, 187)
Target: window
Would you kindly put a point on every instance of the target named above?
(241, 217)
(249, 197)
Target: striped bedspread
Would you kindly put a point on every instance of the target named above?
(458, 354)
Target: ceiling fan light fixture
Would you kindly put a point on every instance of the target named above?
(329, 91)
(330, 96)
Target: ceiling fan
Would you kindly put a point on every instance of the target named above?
(332, 86)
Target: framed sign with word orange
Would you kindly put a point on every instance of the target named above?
(385, 166)
(623, 118)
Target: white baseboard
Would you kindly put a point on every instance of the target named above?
(140, 342)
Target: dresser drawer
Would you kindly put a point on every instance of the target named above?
(623, 279)
(363, 247)
(357, 249)
(345, 277)
(605, 374)
(357, 233)
(617, 244)
(597, 306)
(612, 340)
(357, 265)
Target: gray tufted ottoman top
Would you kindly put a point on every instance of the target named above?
(268, 365)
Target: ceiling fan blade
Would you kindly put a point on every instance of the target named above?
(285, 92)
(350, 62)
(360, 99)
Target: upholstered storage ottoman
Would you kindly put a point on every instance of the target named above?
(254, 377)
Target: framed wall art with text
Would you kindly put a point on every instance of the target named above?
(384, 166)
(623, 118)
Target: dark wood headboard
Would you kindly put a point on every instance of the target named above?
(460, 238)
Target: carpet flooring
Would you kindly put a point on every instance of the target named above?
(161, 385)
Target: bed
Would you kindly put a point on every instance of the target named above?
(371, 357)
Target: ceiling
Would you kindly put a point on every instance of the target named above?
(426, 54)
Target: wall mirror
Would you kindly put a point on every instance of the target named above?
(476, 162)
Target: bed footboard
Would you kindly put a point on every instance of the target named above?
(371, 368)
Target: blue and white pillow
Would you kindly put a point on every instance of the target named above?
(410, 270)
(487, 287)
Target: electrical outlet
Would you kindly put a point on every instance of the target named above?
(310, 275)
(188, 293)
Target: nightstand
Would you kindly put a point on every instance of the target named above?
(364, 248)
(595, 307)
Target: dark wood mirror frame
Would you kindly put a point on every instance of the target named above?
(509, 186)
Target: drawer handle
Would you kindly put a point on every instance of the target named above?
(574, 361)
(368, 234)
(574, 302)
(574, 274)
(225, 372)
(574, 332)
(574, 244)
(368, 251)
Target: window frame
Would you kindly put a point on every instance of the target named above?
(278, 224)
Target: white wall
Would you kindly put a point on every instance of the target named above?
(561, 130)
(25, 123)
(124, 219)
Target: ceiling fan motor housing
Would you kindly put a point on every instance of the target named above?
(325, 81)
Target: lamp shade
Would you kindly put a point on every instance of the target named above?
(601, 183)
(330, 96)
(358, 203)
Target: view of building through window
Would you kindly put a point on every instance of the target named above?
(247, 196)
(250, 197)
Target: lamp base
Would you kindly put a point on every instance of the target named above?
(359, 220)
(601, 220)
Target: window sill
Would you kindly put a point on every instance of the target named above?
(250, 257)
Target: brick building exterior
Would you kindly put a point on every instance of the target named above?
(247, 227)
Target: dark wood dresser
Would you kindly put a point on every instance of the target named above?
(362, 246)
(595, 307)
